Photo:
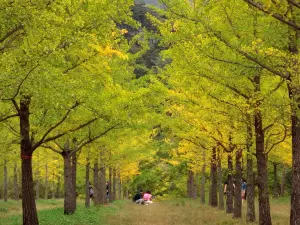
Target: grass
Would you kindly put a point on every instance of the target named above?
(170, 212)
(190, 212)
(50, 212)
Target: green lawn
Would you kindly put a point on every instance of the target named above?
(50, 212)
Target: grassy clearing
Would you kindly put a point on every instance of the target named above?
(172, 212)
(188, 212)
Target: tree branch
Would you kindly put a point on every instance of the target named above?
(56, 125)
(90, 140)
(51, 148)
(8, 34)
(278, 142)
(245, 54)
(8, 117)
(294, 3)
(20, 85)
(277, 16)
(64, 133)
(268, 127)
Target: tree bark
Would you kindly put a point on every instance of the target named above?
(220, 183)
(202, 187)
(295, 196)
(28, 202)
(69, 207)
(119, 187)
(250, 216)
(37, 185)
(282, 185)
(275, 187)
(294, 93)
(114, 184)
(102, 180)
(5, 181)
(214, 183)
(53, 185)
(57, 195)
(188, 185)
(96, 184)
(74, 173)
(16, 185)
(250, 190)
(262, 172)
(109, 184)
(46, 181)
(237, 212)
(229, 189)
(87, 182)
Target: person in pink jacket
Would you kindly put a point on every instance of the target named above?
(147, 198)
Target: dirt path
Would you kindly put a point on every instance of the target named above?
(170, 213)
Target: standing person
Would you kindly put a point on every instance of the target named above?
(244, 189)
(91, 192)
(147, 198)
(107, 192)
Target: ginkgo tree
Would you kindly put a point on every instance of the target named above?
(46, 51)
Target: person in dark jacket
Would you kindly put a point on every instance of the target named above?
(138, 197)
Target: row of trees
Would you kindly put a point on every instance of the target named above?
(69, 98)
(230, 93)
(233, 94)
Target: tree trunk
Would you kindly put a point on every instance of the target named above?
(5, 181)
(102, 180)
(295, 196)
(282, 185)
(262, 172)
(69, 207)
(28, 202)
(87, 182)
(220, 183)
(294, 92)
(275, 188)
(46, 181)
(96, 184)
(190, 184)
(119, 187)
(202, 187)
(250, 216)
(250, 190)
(74, 173)
(37, 185)
(109, 183)
(194, 187)
(16, 185)
(114, 185)
(214, 181)
(237, 213)
(57, 195)
(229, 189)
(53, 185)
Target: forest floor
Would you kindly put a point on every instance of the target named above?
(172, 212)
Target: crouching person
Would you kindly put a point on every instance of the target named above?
(147, 198)
(138, 197)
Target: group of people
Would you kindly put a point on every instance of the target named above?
(243, 189)
(91, 191)
(143, 198)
